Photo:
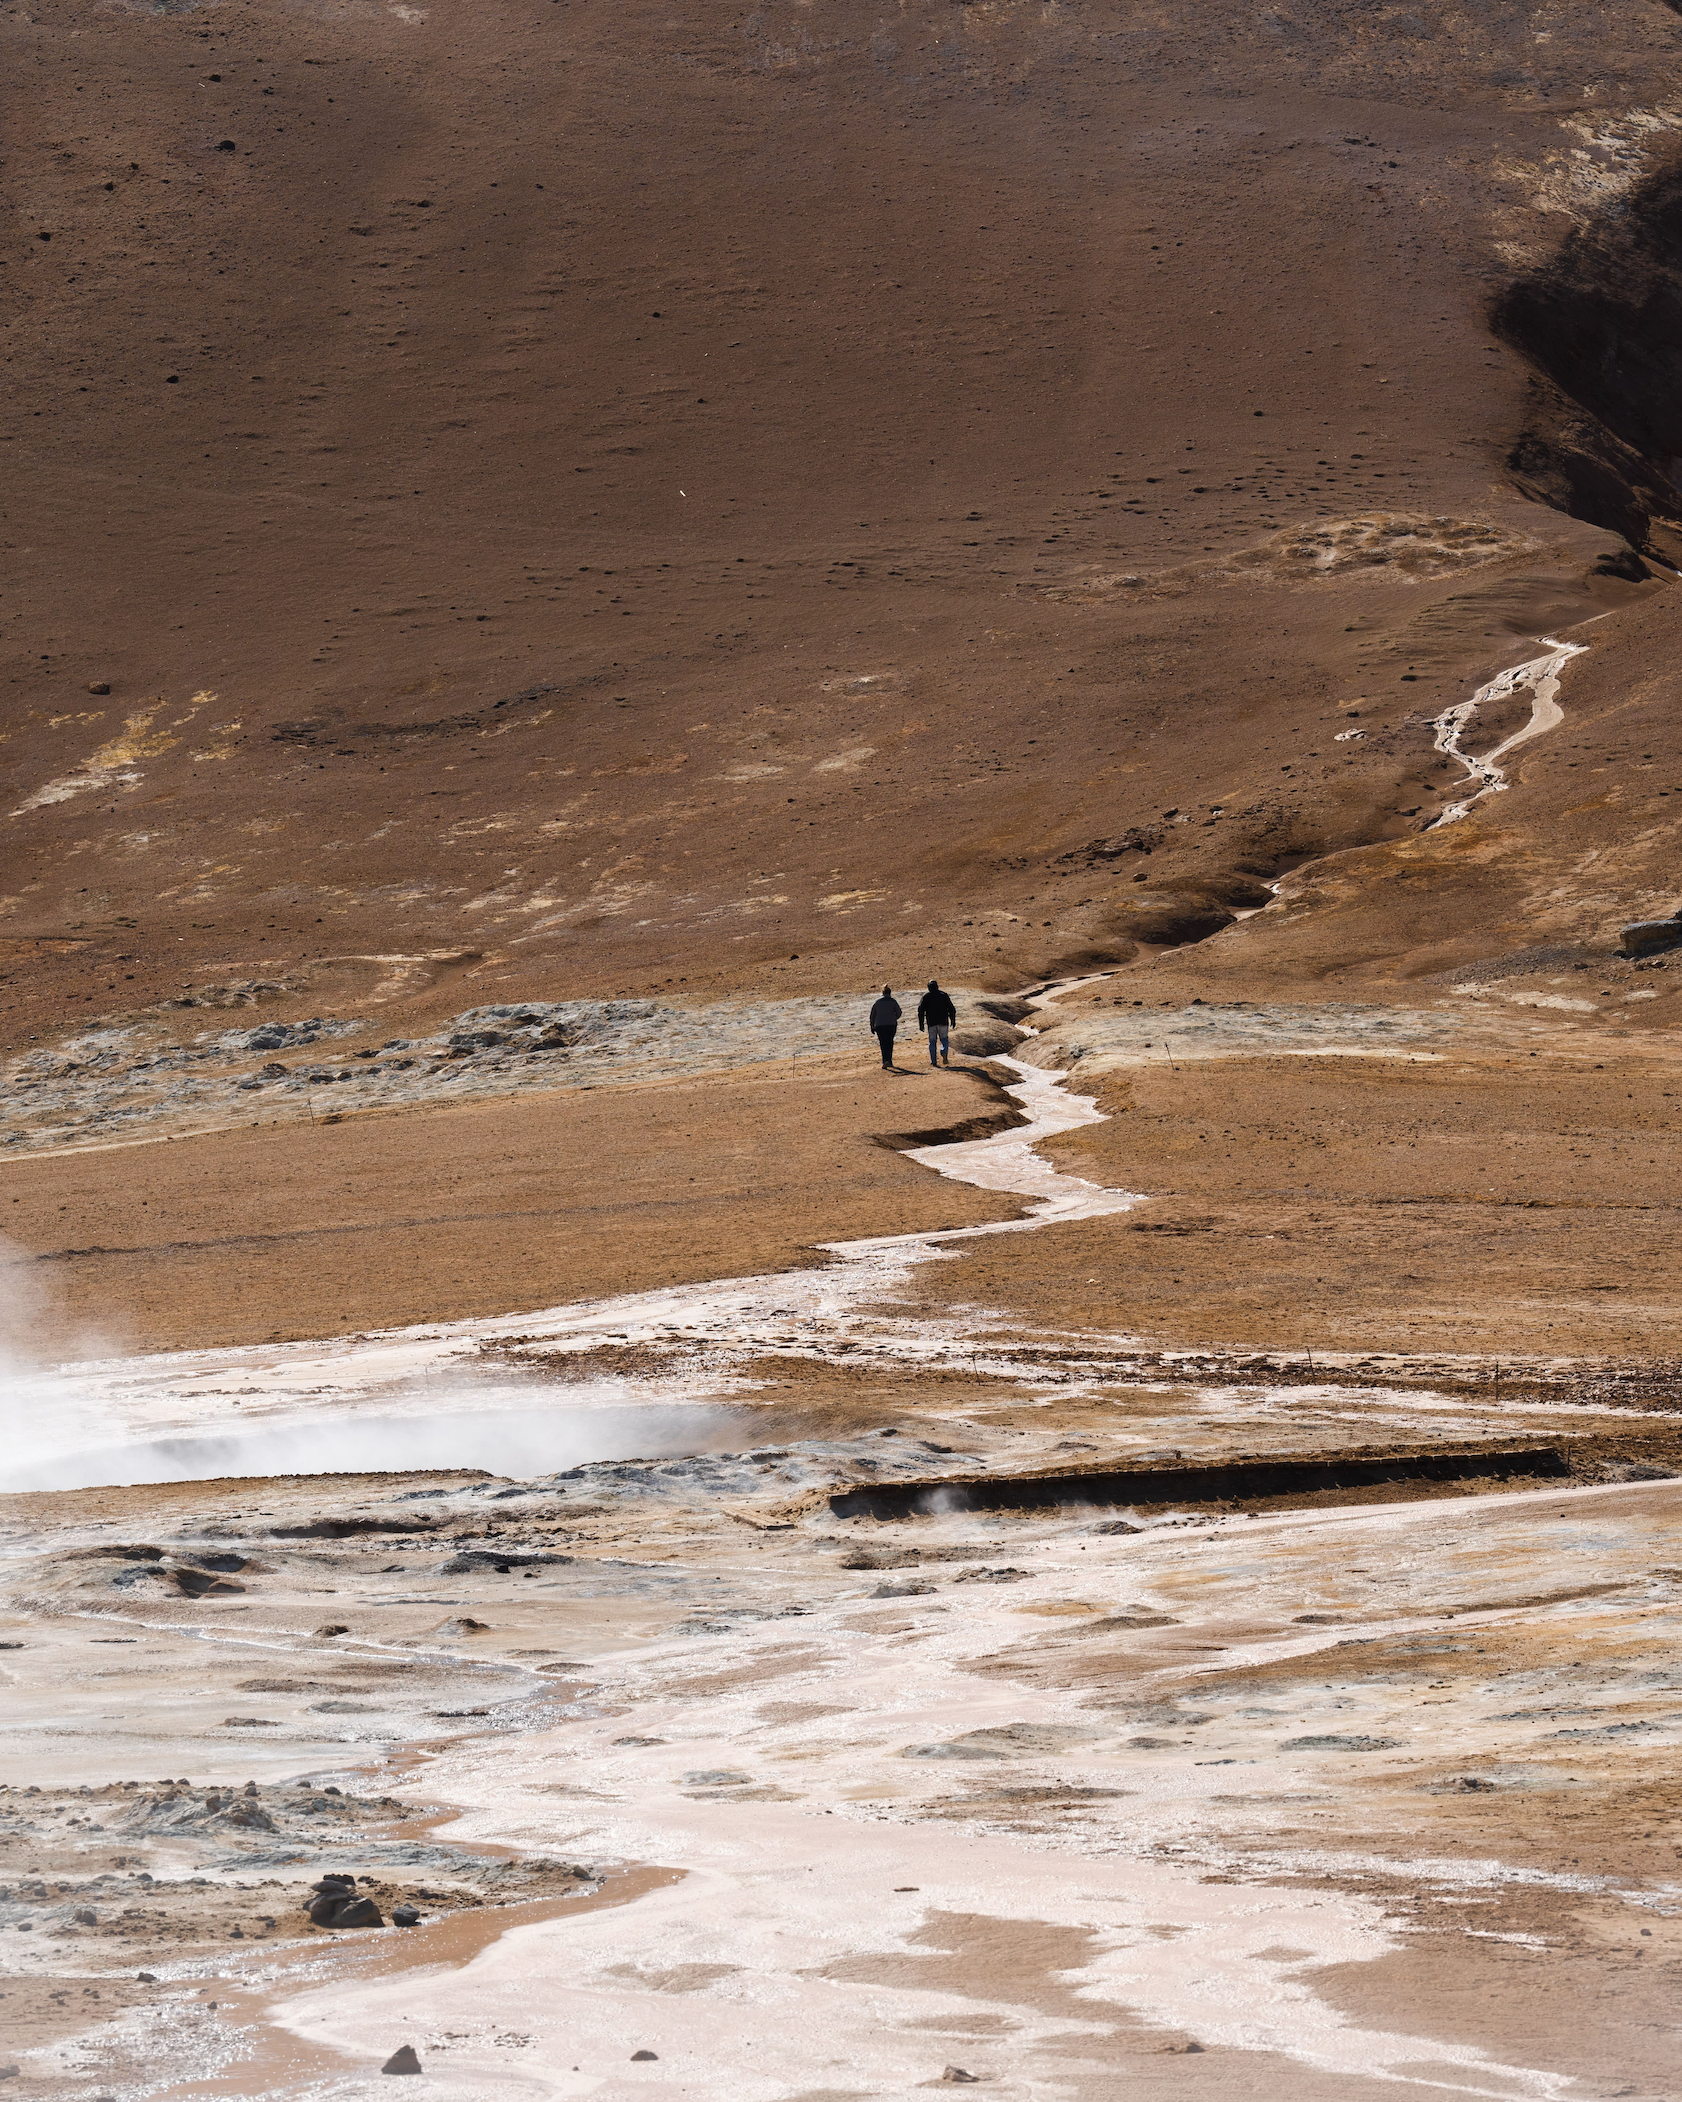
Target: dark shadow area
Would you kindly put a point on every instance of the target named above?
(1233, 1481)
(1603, 322)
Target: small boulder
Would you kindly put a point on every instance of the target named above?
(1647, 937)
(636, 2055)
(405, 1916)
(957, 2077)
(85, 1916)
(332, 1627)
(338, 1906)
(402, 2060)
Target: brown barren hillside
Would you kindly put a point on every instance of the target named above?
(638, 497)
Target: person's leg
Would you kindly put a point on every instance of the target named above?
(945, 1046)
(885, 1037)
(934, 1033)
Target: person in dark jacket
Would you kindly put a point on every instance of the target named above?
(884, 1020)
(936, 1014)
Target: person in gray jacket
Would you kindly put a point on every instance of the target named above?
(884, 1020)
(936, 1014)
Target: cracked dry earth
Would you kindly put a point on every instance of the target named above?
(1317, 1797)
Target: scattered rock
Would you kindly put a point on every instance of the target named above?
(248, 1722)
(716, 1777)
(1340, 1744)
(636, 2055)
(1636, 1471)
(902, 1590)
(474, 1559)
(1120, 1525)
(99, 686)
(405, 1916)
(146, 1977)
(85, 1916)
(463, 1626)
(402, 2060)
(992, 1576)
(955, 2076)
(332, 1627)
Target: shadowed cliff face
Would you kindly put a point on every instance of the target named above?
(1603, 321)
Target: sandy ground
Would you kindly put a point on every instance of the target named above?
(384, 1219)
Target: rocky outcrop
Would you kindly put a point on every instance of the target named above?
(1646, 937)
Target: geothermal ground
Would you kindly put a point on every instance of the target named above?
(549, 554)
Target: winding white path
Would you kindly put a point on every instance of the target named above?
(1541, 676)
(360, 1401)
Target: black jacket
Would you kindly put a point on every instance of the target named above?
(935, 1011)
(885, 1015)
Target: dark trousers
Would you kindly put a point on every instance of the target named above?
(885, 1037)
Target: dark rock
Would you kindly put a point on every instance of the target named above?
(346, 1528)
(472, 1559)
(99, 686)
(636, 2055)
(992, 1576)
(1338, 1743)
(402, 2060)
(201, 1583)
(332, 1627)
(85, 1916)
(1119, 1525)
(405, 1916)
(959, 2078)
(902, 1591)
(1645, 937)
(344, 1909)
(334, 1881)
(147, 1977)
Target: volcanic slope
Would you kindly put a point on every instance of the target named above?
(654, 499)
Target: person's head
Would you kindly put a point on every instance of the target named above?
(934, 985)
(887, 992)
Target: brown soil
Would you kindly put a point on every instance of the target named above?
(1511, 1204)
(381, 1220)
(497, 557)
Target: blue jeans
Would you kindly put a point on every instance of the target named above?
(937, 1032)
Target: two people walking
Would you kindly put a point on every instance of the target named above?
(935, 1013)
